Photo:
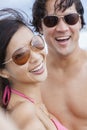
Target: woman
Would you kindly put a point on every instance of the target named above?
(22, 68)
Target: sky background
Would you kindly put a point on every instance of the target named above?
(26, 5)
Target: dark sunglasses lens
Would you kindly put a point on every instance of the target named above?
(20, 57)
(37, 43)
(50, 21)
(71, 19)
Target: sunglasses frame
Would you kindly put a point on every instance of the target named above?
(31, 46)
(58, 19)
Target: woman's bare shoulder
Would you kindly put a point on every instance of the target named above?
(23, 112)
(6, 123)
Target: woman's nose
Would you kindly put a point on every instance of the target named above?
(34, 57)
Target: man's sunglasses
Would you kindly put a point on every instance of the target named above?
(53, 20)
(22, 55)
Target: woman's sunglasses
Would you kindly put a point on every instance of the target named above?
(53, 20)
(22, 55)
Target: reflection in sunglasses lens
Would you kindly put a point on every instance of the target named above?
(22, 57)
(37, 43)
(71, 19)
(50, 21)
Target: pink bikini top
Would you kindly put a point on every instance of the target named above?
(58, 125)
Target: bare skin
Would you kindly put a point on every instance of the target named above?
(6, 123)
(65, 90)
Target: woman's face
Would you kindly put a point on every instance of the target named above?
(34, 69)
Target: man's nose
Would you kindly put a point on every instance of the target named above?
(62, 25)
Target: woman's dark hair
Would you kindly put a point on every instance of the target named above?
(10, 21)
(39, 10)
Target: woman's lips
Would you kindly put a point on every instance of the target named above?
(38, 70)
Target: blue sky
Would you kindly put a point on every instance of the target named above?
(26, 5)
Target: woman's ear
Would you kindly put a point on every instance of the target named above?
(4, 73)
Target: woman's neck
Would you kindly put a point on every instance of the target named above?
(30, 90)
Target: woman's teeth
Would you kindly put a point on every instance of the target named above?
(37, 68)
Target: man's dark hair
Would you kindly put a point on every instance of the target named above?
(39, 10)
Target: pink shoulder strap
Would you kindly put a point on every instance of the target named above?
(58, 125)
(21, 95)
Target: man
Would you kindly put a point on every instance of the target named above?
(65, 90)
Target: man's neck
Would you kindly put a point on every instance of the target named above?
(64, 61)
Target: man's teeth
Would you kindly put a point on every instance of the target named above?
(38, 68)
(63, 38)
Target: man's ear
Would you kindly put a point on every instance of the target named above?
(4, 73)
(40, 30)
(80, 24)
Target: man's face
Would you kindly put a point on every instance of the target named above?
(63, 37)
